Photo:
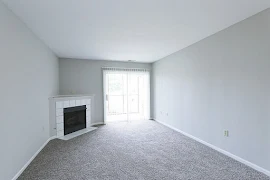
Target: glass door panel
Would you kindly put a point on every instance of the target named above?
(127, 96)
(116, 97)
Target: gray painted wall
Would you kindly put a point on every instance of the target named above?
(221, 83)
(28, 76)
(85, 77)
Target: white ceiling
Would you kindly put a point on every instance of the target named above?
(141, 30)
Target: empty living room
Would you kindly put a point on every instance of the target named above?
(135, 90)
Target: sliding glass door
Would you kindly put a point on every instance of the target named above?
(126, 94)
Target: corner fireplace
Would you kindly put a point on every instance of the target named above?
(74, 119)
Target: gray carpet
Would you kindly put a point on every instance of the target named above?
(142, 150)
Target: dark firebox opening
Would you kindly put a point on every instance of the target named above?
(74, 119)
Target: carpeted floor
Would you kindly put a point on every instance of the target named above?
(136, 150)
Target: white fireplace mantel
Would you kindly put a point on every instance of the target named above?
(57, 105)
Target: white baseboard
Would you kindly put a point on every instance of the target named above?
(254, 166)
(32, 158)
(97, 123)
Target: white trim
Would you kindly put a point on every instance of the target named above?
(104, 97)
(127, 97)
(67, 97)
(32, 158)
(124, 69)
(97, 123)
(149, 96)
(237, 158)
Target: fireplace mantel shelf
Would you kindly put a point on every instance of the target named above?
(71, 96)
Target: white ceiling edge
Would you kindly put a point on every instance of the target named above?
(191, 44)
(127, 61)
(213, 34)
(32, 18)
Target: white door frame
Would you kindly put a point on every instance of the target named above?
(104, 95)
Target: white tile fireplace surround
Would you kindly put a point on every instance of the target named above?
(57, 106)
